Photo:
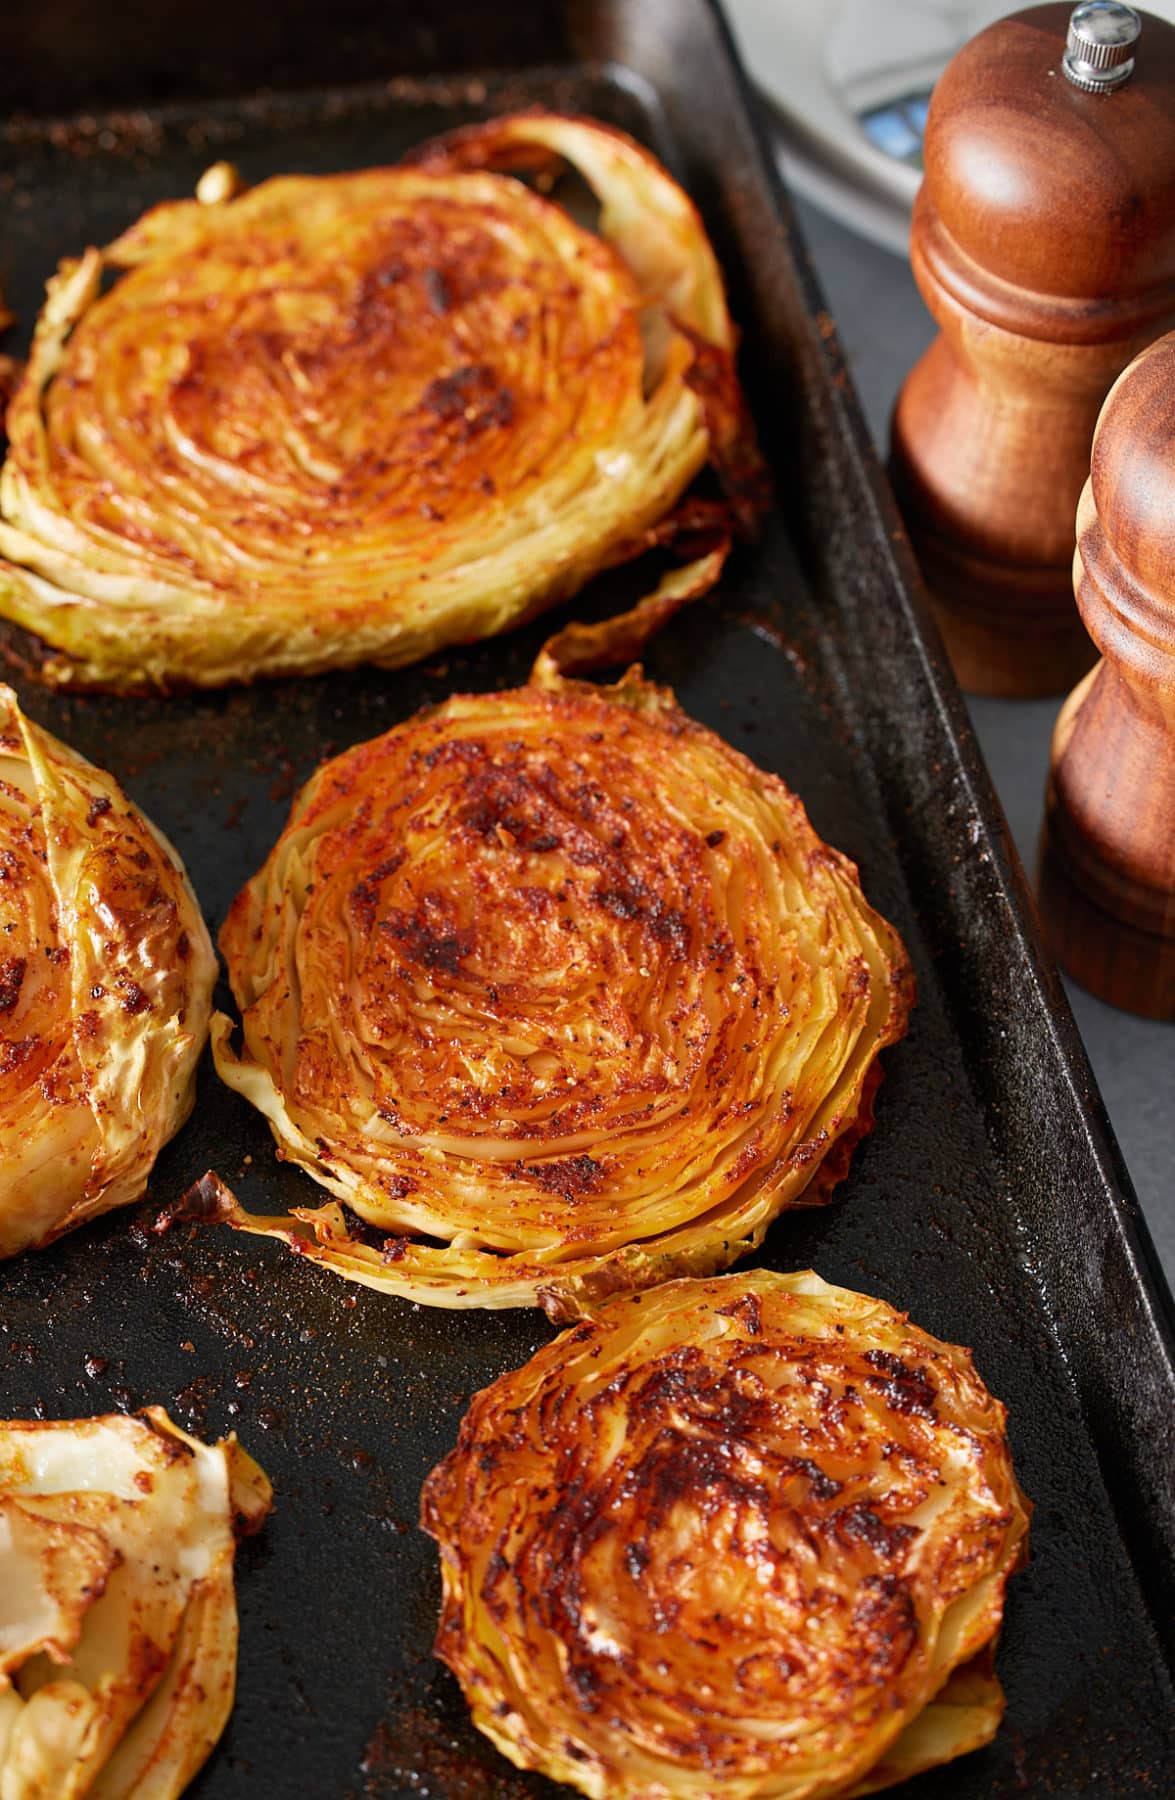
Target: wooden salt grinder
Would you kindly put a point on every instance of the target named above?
(1043, 241)
(1107, 871)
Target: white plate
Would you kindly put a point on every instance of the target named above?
(827, 65)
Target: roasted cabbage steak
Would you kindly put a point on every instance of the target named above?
(106, 974)
(349, 418)
(737, 1539)
(560, 994)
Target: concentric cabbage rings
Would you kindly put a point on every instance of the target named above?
(560, 994)
(352, 418)
(106, 975)
(745, 1537)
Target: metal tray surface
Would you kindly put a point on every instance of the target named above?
(989, 1202)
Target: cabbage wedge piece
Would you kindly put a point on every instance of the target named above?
(106, 975)
(557, 992)
(746, 1537)
(118, 1622)
(352, 418)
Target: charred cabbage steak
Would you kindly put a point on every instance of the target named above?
(106, 974)
(560, 994)
(737, 1539)
(349, 418)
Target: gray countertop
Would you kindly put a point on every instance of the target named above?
(884, 327)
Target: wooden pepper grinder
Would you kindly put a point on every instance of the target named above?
(1107, 869)
(1043, 241)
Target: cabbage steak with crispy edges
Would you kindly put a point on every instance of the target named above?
(737, 1539)
(106, 975)
(350, 418)
(560, 994)
(118, 1619)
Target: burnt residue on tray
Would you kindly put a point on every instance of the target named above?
(987, 1202)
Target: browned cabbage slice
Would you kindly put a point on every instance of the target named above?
(106, 974)
(350, 418)
(745, 1537)
(118, 1621)
(560, 994)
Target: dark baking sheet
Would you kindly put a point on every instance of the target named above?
(989, 1202)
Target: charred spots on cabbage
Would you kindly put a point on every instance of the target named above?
(467, 751)
(857, 984)
(632, 902)
(748, 1158)
(701, 1472)
(15, 1052)
(12, 974)
(386, 273)
(765, 1671)
(497, 1569)
(470, 398)
(586, 1682)
(397, 1186)
(637, 1557)
(821, 1485)
(620, 902)
(510, 806)
(439, 291)
(729, 1407)
(133, 997)
(720, 952)
(858, 1525)
(903, 1389)
(886, 1617)
(810, 1149)
(572, 1178)
(669, 1382)
(429, 936)
(364, 894)
(747, 1309)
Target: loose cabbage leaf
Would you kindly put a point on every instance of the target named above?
(118, 1627)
